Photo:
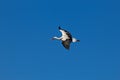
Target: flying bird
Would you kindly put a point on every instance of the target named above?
(66, 38)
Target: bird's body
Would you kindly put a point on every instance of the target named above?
(66, 38)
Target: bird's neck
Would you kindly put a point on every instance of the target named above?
(57, 38)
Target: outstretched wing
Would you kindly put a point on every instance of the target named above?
(65, 34)
(66, 43)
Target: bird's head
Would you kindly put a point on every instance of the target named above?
(53, 38)
(56, 38)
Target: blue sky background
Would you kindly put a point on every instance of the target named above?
(28, 53)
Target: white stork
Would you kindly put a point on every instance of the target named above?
(66, 38)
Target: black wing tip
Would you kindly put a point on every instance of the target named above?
(67, 48)
(59, 27)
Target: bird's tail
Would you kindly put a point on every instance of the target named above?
(78, 40)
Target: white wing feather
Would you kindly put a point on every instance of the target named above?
(64, 35)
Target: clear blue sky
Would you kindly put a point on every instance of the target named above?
(28, 53)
